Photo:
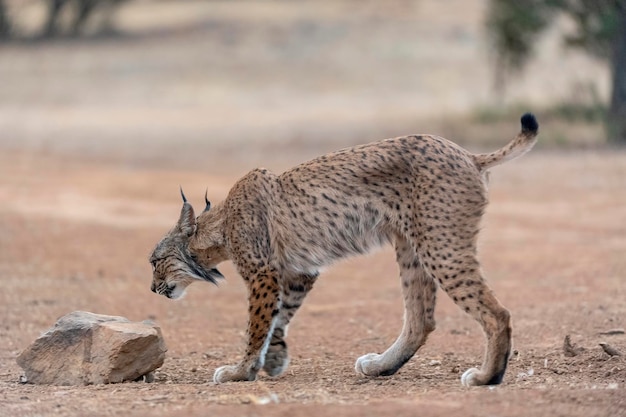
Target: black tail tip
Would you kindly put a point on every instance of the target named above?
(529, 123)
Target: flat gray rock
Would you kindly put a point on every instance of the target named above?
(84, 348)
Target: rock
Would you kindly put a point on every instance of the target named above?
(84, 348)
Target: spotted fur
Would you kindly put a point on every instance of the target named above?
(423, 194)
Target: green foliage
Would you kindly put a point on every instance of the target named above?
(573, 112)
(572, 124)
(496, 114)
(5, 24)
(513, 27)
(597, 24)
(593, 112)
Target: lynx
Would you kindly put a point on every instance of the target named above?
(423, 194)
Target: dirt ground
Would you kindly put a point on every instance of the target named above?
(97, 135)
(76, 236)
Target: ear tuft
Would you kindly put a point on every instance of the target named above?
(206, 200)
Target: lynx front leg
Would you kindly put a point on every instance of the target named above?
(293, 293)
(264, 305)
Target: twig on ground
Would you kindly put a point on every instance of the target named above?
(612, 332)
(569, 349)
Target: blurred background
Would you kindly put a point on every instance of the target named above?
(213, 82)
(108, 106)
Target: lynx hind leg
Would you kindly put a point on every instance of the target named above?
(448, 252)
(462, 280)
(419, 291)
(293, 293)
(496, 323)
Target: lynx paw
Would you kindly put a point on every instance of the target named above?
(369, 365)
(276, 360)
(469, 377)
(232, 373)
(473, 377)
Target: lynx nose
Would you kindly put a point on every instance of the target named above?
(153, 287)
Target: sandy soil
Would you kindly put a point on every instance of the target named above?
(77, 236)
(96, 136)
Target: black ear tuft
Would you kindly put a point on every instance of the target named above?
(206, 200)
(529, 123)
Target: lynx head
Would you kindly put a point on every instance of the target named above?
(187, 252)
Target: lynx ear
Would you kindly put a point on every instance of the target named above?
(187, 220)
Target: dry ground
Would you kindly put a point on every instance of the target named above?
(77, 236)
(96, 135)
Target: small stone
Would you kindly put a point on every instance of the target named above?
(85, 348)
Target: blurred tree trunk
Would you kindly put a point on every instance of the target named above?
(85, 9)
(53, 14)
(617, 112)
(5, 26)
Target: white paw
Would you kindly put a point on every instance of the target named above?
(220, 374)
(368, 365)
(229, 373)
(470, 377)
